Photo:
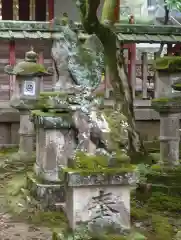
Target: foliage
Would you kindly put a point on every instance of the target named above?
(163, 202)
(168, 63)
(86, 164)
(119, 129)
(142, 171)
(174, 4)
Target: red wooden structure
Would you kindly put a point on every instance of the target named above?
(130, 47)
(24, 15)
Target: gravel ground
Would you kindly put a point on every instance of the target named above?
(10, 230)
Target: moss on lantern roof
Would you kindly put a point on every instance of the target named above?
(28, 67)
(168, 63)
(167, 104)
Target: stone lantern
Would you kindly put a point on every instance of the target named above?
(167, 72)
(28, 85)
(168, 104)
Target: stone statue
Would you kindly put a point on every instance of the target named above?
(79, 70)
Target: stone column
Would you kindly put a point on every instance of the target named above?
(26, 132)
(169, 138)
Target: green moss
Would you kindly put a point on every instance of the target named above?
(109, 237)
(40, 113)
(89, 164)
(53, 94)
(26, 68)
(51, 219)
(7, 151)
(161, 227)
(166, 100)
(168, 63)
(100, 94)
(107, 171)
(155, 224)
(177, 86)
(139, 213)
(118, 138)
(16, 196)
(166, 104)
(162, 202)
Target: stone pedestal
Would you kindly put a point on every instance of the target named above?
(27, 134)
(169, 138)
(98, 200)
(54, 146)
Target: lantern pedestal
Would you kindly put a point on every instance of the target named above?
(26, 132)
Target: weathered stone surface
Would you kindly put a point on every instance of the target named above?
(48, 194)
(169, 138)
(53, 148)
(26, 132)
(60, 121)
(82, 203)
(164, 82)
(100, 179)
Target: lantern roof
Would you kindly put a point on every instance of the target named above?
(29, 67)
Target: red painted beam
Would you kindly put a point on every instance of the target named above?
(117, 11)
(50, 10)
(176, 48)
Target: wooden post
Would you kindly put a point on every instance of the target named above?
(50, 9)
(129, 64)
(132, 62)
(41, 61)
(169, 49)
(117, 11)
(144, 74)
(40, 10)
(12, 61)
(156, 81)
(24, 10)
(7, 9)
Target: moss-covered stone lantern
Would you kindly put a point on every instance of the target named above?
(28, 85)
(168, 104)
(168, 70)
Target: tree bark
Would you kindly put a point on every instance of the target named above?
(166, 19)
(108, 11)
(119, 81)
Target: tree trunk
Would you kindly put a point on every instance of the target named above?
(108, 11)
(119, 81)
(166, 19)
